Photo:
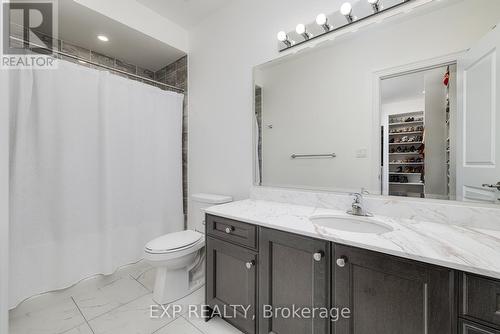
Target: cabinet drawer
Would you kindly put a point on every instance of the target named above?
(480, 299)
(467, 327)
(232, 231)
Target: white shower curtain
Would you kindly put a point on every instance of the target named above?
(96, 172)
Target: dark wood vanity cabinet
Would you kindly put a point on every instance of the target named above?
(231, 271)
(479, 304)
(255, 266)
(231, 280)
(467, 327)
(390, 295)
(294, 271)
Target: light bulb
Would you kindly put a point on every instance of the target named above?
(300, 29)
(346, 9)
(282, 36)
(321, 19)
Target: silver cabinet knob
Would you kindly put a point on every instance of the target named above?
(229, 230)
(318, 256)
(341, 261)
(250, 264)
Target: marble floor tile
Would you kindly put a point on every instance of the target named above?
(147, 278)
(109, 293)
(179, 326)
(195, 298)
(83, 329)
(49, 319)
(132, 318)
(134, 270)
(215, 326)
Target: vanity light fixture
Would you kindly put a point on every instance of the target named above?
(301, 30)
(346, 10)
(283, 37)
(375, 5)
(322, 21)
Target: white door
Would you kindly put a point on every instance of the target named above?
(478, 132)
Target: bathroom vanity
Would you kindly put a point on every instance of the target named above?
(265, 261)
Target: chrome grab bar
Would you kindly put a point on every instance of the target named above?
(329, 155)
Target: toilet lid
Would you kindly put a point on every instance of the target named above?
(173, 241)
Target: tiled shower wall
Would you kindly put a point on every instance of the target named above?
(104, 60)
(176, 75)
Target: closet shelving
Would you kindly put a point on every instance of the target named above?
(406, 155)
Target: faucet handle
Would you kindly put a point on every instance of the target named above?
(357, 197)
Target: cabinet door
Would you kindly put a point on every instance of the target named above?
(294, 271)
(231, 280)
(390, 295)
(467, 327)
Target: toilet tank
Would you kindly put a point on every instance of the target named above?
(200, 202)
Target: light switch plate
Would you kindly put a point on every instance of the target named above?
(361, 153)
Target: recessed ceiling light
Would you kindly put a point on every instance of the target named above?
(103, 38)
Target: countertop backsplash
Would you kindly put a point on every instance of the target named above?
(455, 213)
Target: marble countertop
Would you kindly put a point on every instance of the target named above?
(463, 248)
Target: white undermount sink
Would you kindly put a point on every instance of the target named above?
(348, 223)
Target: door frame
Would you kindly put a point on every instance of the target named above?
(376, 101)
(4, 196)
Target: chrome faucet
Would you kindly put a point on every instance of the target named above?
(357, 205)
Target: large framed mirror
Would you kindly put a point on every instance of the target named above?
(406, 106)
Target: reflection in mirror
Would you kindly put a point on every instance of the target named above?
(418, 120)
(403, 107)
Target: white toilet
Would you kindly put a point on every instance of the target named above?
(179, 256)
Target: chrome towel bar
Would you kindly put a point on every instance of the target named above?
(329, 155)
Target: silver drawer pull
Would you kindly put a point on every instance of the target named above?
(318, 256)
(229, 230)
(341, 261)
(250, 264)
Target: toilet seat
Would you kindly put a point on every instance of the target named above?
(173, 242)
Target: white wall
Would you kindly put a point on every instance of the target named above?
(143, 19)
(226, 46)
(224, 50)
(4, 197)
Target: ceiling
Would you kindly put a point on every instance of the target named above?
(80, 26)
(186, 13)
(405, 87)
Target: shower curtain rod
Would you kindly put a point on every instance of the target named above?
(96, 64)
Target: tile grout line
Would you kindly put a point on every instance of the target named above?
(84, 318)
(135, 279)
